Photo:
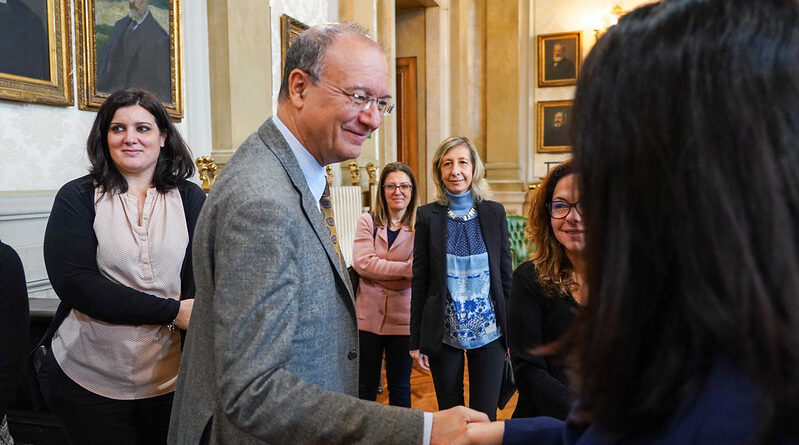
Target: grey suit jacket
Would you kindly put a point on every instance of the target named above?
(271, 351)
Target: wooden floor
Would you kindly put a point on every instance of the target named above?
(423, 395)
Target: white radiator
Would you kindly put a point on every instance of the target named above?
(347, 208)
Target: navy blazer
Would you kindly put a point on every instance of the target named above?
(429, 284)
(723, 410)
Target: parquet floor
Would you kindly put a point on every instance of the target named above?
(423, 395)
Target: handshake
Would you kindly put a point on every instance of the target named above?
(464, 426)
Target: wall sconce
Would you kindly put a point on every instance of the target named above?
(609, 20)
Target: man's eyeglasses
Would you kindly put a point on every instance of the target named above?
(361, 102)
(561, 209)
(393, 187)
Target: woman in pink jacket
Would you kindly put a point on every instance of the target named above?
(383, 257)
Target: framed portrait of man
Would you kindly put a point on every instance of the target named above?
(129, 43)
(35, 51)
(559, 57)
(552, 128)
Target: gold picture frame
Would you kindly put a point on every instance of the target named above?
(108, 52)
(563, 72)
(290, 28)
(552, 136)
(37, 67)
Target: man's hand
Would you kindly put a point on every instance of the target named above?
(450, 426)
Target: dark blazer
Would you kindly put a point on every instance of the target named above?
(136, 58)
(536, 317)
(724, 409)
(429, 284)
(14, 323)
(560, 70)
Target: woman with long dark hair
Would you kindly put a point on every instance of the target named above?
(546, 293)
(686, 122)
(118, 252)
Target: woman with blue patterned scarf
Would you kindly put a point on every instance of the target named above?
(461, 280)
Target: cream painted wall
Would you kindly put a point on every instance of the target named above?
(550, 16)
(44, 146)
(309, 12)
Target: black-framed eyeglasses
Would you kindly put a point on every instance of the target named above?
(361, 102)
(404, 187)
(561, 209)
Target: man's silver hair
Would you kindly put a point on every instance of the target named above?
(309, 49)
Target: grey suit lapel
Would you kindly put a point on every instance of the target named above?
(275, 142)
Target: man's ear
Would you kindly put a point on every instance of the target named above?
(299, 81)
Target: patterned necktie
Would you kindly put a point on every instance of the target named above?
(326, 204)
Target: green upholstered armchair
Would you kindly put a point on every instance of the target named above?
(520, 249)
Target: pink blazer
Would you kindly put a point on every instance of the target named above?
(383, 297)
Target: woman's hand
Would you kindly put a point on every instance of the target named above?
(485, 433)
(420, 358)
(184, 314)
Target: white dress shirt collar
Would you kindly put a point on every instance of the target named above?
(314, 172)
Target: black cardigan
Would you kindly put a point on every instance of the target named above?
(14, 324)
(429, 284)
(70, 255)
(537, 317)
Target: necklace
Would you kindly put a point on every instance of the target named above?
(469, 215)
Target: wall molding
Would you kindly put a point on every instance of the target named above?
(23, 219)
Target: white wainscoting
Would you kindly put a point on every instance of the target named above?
(23, 218)
(347, 208)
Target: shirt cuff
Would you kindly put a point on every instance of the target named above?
(428, 428)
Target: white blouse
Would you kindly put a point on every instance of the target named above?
(126, 362)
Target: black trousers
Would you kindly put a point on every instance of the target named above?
(398, 367)
(485, 376)
(93, 419)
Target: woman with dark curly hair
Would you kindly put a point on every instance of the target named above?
(545, 295)
(118, 252)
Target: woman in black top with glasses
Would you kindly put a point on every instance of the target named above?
(545, 295)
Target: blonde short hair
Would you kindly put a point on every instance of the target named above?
(479, 186)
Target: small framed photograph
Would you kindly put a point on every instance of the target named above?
(124, 44)
(290, 28)
(35, 61)
(559, 58)
(552, 127)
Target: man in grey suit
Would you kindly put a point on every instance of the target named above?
(272, 353)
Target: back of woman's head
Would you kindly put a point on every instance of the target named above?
(174, 161)
(553, 266)
(686, 134)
